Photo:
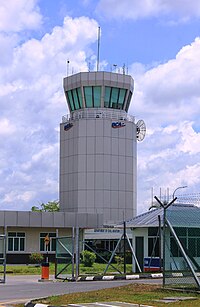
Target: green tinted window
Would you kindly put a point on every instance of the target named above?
(128, 101)
(152, 231)
(80, 97)
(22, 243)
(194, 232)
(21, 234)
(16, 244)
(88, 96)
(10, 244)
(174, 248)
(12, 234)
(107, 97)
(114, 98)
(192, 243)
(75, 99)
(97, 96)
(122, 95)
(70, 100)
(153, 247)
(180, 231)
(53, 244)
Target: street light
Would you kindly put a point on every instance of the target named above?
(183, 187)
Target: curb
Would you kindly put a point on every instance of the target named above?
(121, 277)
(30, 304)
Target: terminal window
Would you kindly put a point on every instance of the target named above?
(52, 243)
(16, 241)
(74, 99)
(92, 96)
(114, 97)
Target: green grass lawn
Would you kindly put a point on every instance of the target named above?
(26, 269)
(133, 293)
(96, 269)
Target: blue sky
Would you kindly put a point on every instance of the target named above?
(157, 40)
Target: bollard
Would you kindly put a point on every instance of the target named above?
(45, 270)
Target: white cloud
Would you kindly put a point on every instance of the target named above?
(181, 10)
(167, 97)
(171, 90)
(32, 104)
(18, 15)
(167, 159)
(6, 127)
(190, 139)
(14, 196)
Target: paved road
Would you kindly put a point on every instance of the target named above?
(20, 289)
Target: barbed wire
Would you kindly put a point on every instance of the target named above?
(192, 198)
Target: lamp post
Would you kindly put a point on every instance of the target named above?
(183, 187)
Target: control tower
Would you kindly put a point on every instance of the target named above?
(98, 152)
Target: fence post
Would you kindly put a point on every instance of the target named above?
(77, 253)
(73, 251)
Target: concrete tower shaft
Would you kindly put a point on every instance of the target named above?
(98, 155)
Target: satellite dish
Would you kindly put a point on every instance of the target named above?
(140, 130)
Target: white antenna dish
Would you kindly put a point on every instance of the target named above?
(140, 130)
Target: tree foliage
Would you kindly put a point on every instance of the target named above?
(88, 258)
(36, 258)
(51, 206)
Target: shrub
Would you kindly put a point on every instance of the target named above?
(36, 258)
(88, 258)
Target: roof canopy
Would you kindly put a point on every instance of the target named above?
(179, 215)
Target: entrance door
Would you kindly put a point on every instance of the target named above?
(139, 252)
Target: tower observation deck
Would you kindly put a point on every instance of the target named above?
(98, 154)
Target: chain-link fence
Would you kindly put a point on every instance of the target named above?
(182, 246)
(71, 261)
(64, 257)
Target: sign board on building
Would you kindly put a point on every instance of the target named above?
(68, 126)
(118, 125)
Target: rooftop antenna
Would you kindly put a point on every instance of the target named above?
(115, 67)
(67, 68)
(124, 69)
(99, 29)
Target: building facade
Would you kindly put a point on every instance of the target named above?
(25, 232)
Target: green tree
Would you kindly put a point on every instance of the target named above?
(51, 206)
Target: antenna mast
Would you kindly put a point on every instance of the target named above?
(98, 48)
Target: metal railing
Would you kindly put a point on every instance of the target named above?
(98, 113)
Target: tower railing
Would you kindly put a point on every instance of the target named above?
(98, 113)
